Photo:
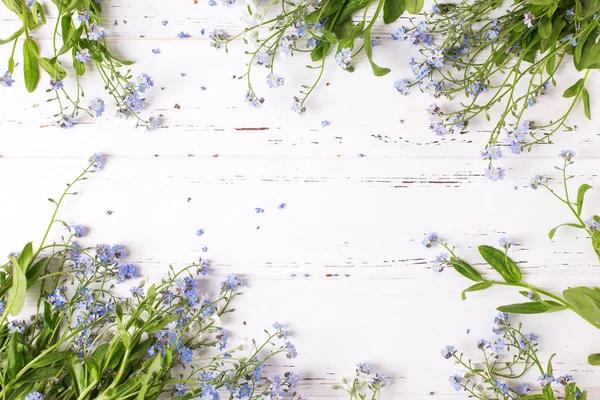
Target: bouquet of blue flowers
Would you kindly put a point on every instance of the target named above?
(78, 32)
(488, 58)
(84, 341)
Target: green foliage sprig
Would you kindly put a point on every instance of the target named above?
(78, 33)
(314, 27)
(591, 225)
(584, 301)
(86, 342)
(507, 360)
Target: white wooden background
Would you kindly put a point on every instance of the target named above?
(345, 214)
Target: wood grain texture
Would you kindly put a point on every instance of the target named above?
(362, 216)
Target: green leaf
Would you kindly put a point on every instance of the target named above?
(320, 51)
(93, 368)
(40, 374)
(50, 358)
(574, 89)
(585, 302)
(465, 269)
(16, 294)
(66, 25)
(498, 260)
(594, 359)
(15, 359)
(377, 70)
(79, 67)
(550, 63)
(532, 307)
(123, 334)
(349, 8)
(38, 10)
(550, 369)
(344, 30)
(328, 36)
(326, 9)
(154, 368)
(70, 41)
(48, 321)
(26, 256)
(474, 288)
(545, 27)
(55, 70)
(115, 356)
(77, 374)
(541, 2)
(392, 10)
(116, 393)
(34, 271)
(31, 67)
(580, 196)
(12, 37)
(586, 103)
(414, 6)
(553, 230)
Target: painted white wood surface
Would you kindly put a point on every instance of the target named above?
(345, 214)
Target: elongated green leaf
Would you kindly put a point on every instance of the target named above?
(503, 264)
(463, 268)
(541, 2)
(123, 334)
(320, 51)
(574, 89)
(152, 369)
(34, 271)
(70, 41)
(26, 256)
(48, 321)
(50, 358)
(414, 6)
(14, 359)
(585, 302)
(31, 67)
(545, 27)
(40, 374)
(344, 29)
(116, 393)
(586, 103)
(553, 230)
(475, 288)
(581, 196)
(377, 70)
(66, 25)
(12, 37)
(55, 70)
(16, 294)
(550, 369)
(532, 307)
(77, 374)
(392, 10)
(550, 63)
(349, 8)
